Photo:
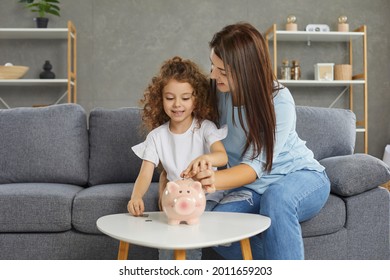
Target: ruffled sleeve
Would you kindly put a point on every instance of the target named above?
(147, 150)
(212, 133)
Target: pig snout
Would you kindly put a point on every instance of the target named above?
(184, 205)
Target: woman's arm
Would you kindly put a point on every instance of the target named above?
(234, 177)
(141, 186)
(226, 179)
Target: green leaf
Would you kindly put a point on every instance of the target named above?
(53, 12)
(55, 8)
(43, 7)
(30, 6)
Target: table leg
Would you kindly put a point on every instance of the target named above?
(123, 250)
(180, 254)
(246, 249)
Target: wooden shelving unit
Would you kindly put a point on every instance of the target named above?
(272, 35)
(68, 34)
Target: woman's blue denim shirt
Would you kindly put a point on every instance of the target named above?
(290, 152)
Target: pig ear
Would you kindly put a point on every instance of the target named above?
(172, 186)
(197, 186)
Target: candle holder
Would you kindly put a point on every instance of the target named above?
(343, 26)
(291, 23)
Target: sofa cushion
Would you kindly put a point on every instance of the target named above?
(354, 174)
(331, 218)
(97, 201)
(44, 145)
(112, 133)
(327, 131)
(36, 207)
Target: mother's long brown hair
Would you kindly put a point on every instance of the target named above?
(245, 55)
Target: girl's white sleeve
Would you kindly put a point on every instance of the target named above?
(212, 133)
(147, 150)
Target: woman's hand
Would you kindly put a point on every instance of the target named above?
(136, 206)
(206, 176)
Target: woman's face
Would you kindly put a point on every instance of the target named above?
(218, 73)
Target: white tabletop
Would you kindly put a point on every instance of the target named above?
(214, 228)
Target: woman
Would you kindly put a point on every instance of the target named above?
(270, 170)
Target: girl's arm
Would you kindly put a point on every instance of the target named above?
(136, 204)
(217, 157)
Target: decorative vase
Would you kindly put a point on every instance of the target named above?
(41, 22)
(47, 74)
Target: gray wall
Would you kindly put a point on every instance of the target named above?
(122, 43)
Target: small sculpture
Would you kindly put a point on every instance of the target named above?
(291, 23)
(47, 74)
(183, 201)
(343, 26)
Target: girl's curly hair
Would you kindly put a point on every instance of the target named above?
(181, 70)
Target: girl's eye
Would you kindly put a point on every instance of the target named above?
(186, 98)
(169, 98)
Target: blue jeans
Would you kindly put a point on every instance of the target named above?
(295, 198)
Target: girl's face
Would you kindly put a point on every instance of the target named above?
(218, 73)
(179, 102)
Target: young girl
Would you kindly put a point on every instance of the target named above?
(178, 111)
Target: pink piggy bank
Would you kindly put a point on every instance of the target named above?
(183, 201)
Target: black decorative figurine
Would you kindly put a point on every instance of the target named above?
(47, 74)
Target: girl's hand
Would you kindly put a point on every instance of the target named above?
(197, 165)
(136, 206)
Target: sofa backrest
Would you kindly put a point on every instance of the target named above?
(327, 131)
(112, 133)
(48, 144)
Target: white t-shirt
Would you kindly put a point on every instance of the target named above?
(176, 151)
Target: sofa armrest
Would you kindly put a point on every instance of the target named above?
(354, 174)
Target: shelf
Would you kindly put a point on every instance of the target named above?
(273, 36)
(70, 35)
(33, 33)
(34, 82)
(315, 83)
(331, 36)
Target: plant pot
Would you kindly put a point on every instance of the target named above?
(41, 22)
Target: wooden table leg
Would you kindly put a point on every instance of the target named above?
(180, 254)
(246, 249)
(123, 250)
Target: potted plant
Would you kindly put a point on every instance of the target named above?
(42, 7)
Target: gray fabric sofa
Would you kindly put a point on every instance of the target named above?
(60, 170)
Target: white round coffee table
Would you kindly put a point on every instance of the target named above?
(152, 230)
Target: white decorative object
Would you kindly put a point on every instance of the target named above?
(317, 28)
(323, 71)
